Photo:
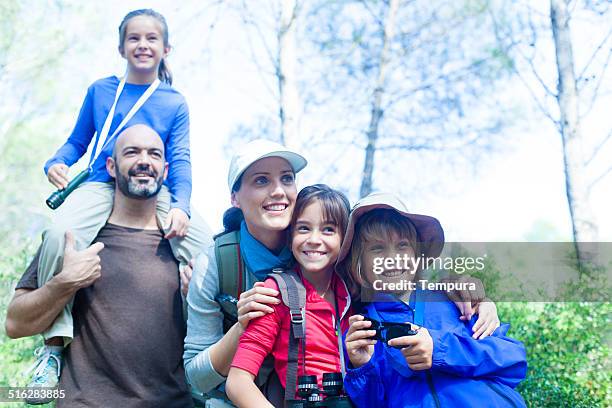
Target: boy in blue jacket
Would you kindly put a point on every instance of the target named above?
(437, 363)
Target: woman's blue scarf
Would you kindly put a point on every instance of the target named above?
(258, 258)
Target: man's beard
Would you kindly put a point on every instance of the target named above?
(134, 189)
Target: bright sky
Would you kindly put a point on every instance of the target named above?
(516, 190)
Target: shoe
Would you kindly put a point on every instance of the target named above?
(46, 372)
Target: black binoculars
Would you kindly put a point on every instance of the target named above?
(57, 198)
(332, 394)
(386, 331)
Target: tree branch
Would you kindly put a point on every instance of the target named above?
(536, 74)
(598, 179)
(599, 47)
(598, 85)
(598, 148)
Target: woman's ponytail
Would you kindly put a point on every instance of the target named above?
(232, 218)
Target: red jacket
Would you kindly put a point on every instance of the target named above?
(270, 333)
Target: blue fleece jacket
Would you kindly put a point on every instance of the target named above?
(165, 111)
(465, 372)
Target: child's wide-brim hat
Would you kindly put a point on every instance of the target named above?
(431, 234)
(257, 150)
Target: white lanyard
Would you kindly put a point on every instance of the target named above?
(103, 135)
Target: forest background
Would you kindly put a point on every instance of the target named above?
(493, 116)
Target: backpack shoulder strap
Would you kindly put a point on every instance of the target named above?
(293, 295)
(230, 265)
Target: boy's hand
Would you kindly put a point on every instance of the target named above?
(359, 344)
(58, 175)
(177, 223)
(417, 349)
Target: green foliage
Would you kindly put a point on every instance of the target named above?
(567, 343)
(16, 356)
(568, 352)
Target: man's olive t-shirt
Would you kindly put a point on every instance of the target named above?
(128, 327)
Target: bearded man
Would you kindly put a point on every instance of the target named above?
(128, 314)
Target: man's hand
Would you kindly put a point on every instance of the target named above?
(417, 349)
(80, 268)
(254, 303)
(58, 175)
(488, 320)
(359, 344)
(185, 274)
(177, 223)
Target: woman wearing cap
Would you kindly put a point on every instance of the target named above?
(263, 193)
(438, 363)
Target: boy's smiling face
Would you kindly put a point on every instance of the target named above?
(377, 251)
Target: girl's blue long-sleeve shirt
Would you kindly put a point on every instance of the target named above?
(165, 111)
(464, 373)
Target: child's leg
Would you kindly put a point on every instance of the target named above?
(198, 237)
(84, 212)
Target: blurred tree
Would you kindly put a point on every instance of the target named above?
(583, 224)
(409, 77)
(271, 33)
(286, 73)
(378, 77)
(38, 108)
(525, 39)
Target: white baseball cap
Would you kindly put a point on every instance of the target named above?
(257, 150)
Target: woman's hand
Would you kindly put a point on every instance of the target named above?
(254, 303)
(58, 175)
(177, 223)
(359, 344)
(417, 349)
(488, 320)
(466, 300)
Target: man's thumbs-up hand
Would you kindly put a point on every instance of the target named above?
(80, 268)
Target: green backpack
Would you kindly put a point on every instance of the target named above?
(232, 275)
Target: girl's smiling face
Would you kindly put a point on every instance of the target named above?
(143, 46)
(315, 240)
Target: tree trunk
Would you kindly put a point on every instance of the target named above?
(583, 226)
(289, 99)
(377, 111)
